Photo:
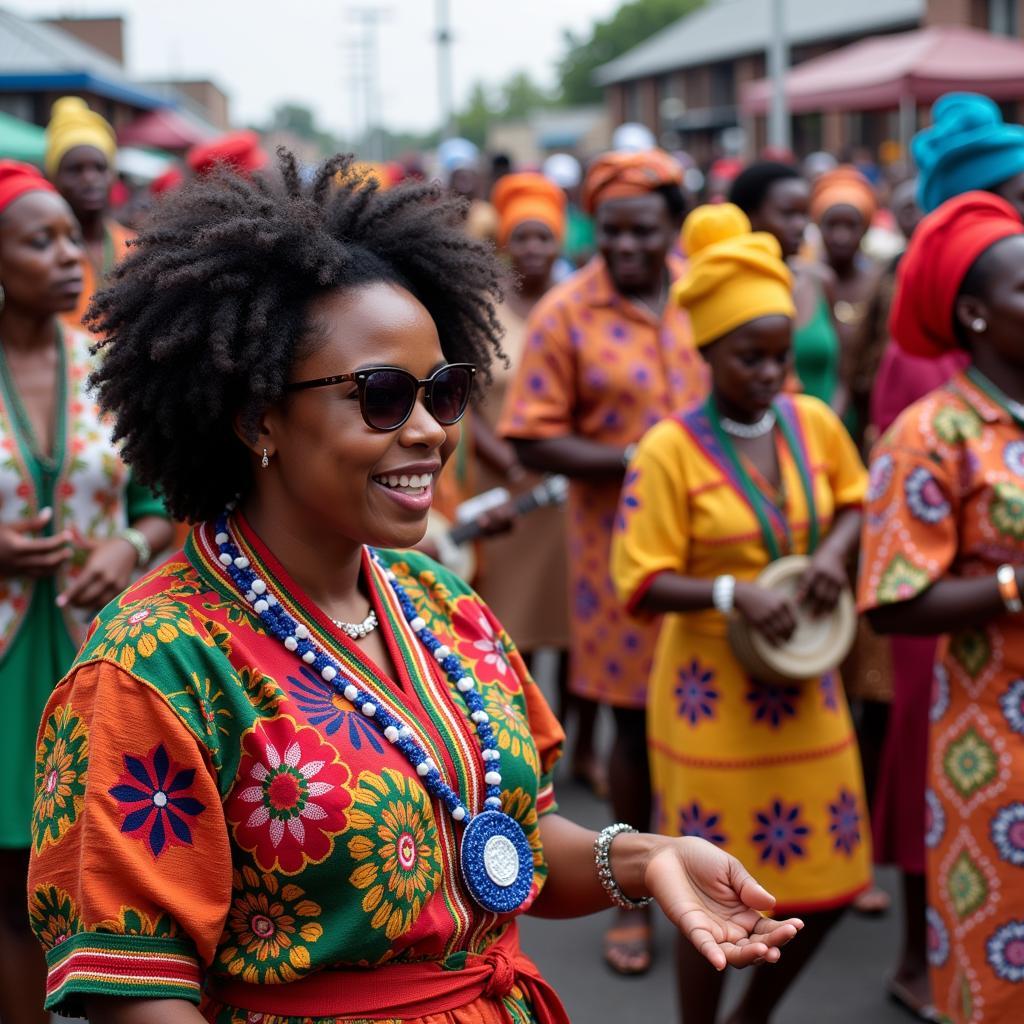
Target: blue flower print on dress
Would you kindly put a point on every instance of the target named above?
(934, 819)
(153, 795)
(844, 822)
(1005, 951)
(772, 703)
(780, 833)
(925, 499)
(1013, 456)
(695, 692)
(587, 601)
(940, 693)
(936, 938)
(694, 821)
(629, 502)
(829, 691)
(1008, 833)
(324, 706)
(1012, 703)
(880, 478)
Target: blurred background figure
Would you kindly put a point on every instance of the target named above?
(74, 527)
(776, 199)
(969, 146)
(632, 137)
(522, 575)
(459, 163)
(565, 171)
(843, 204)
(605, 359)
(80, 153)
(717, 492)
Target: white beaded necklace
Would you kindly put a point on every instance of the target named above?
(749, 431)
(358, 630)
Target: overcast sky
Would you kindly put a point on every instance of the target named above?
(263, 52)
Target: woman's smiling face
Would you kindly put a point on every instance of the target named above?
(329, 469)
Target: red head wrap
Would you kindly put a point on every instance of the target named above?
(171, 179)
(941, 251)
(239, 150)
(16, 179)
(624, 175)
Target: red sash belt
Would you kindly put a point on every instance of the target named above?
(402, 990)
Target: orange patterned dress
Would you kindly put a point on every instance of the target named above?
(601, 367)
(947, 499)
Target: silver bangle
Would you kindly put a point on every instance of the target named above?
(723, 593)
(602, 858)
(628, 454)
(137, 539)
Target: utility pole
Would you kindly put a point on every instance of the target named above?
(778, 62)
(444, 68)
(369, 19)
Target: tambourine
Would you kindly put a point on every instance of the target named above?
(817, 644)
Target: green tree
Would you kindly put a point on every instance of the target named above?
(480, 111)
(520, 96)
(631, 24)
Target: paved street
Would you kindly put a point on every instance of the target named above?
(843, 985)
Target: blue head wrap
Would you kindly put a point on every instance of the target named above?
(967, 147)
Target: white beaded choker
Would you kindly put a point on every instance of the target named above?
(358, 630)
(748, 431)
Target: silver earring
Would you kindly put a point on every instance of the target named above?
(265, 461)
(3, 298)
(978, 325)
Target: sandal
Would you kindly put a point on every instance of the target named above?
(627, 948)
(903, 997)
(873, 902)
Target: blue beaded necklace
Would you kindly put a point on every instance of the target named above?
(496, 859)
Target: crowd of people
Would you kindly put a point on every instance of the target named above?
(281, 536)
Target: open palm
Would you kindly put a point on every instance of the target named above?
(713, 900)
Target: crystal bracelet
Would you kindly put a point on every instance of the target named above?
(602, 858)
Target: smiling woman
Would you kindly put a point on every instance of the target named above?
(289, 364)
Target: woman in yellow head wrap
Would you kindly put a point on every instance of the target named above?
(80, 152)
(769, 772)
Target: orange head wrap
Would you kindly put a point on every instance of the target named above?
(528, 196)
(624, 175)
(843, 186)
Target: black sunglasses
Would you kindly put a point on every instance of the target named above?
(387, 394)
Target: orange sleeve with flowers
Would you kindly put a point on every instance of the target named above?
(130, 880)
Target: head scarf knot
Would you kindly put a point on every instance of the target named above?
(528, 196)
(941, 251)
(843, 186)
(968, 146)
(16, 179)
(625, 175)
(735, 275)
(73, 124)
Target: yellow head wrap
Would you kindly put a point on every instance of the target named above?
(72, 124)
(735, 275)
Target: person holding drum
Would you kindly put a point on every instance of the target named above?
(943, 552)
(767, 770)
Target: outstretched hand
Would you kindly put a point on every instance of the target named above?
(713, 900)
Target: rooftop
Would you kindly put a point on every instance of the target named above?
(34, 55)
(725, 29)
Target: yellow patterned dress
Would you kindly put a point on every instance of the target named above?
(770, 773)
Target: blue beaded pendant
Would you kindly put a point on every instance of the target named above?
(497, 862)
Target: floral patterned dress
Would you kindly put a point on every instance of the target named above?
(214, 822)
(947, 498)
(601, 367)
(769, 772)
(92, 493)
